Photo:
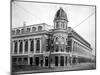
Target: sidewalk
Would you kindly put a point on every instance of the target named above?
(81, 66)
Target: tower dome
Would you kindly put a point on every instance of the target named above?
(60, 15)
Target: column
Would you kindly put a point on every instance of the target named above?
(44, 61)
(71, 60)
(34, 45)
(68, 60)
(59, 60)
(18, 46)
(64, 60)
(40, 45)
(76, 59)
(72, 46)
(59, 24)
(23, 46)
(28, 60)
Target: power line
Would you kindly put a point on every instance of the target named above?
(24, 9)
(84, 20)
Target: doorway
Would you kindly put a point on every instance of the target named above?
(62, 61)
(37, 61)
(31, 61)
(56, 60)
(46, 61)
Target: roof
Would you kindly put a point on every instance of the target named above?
(61, 14)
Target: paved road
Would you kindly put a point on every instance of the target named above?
(82, 66)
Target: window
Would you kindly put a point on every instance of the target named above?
(13, 32)
(63, 25)
(57, 48)
(61, 60)
(22, 30)
(56, 39)
(17, 31)
(28, 29)
(25, 60)
(57, 25)
(14, 60)
(62, 50)
(39, 28)
(38, 45)
(15, 48)
(33, 28)
(21, 47)
(26, 46)
(69, 43)
(32, 45)
(20, 60)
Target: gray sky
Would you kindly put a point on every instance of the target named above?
(35, 13)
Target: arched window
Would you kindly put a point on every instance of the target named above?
(28, 29)
(33, 28)
(22, 30)
(26, 46)
(32, 46)
(21, 47)
(38, 45)
(17, 31)
(15, 48)
(57, 48)
(39, 28)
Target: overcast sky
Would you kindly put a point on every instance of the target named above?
(35, 13)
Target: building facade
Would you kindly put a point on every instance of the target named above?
(44, 45)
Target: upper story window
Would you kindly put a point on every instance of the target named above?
(21, 47)
(26, 46)
(15, 47)
(69, 43)
(17, 31)
(39, 28)
(57, 24)
(14, 60)
(33, 28)
(38, 45)
(28, 29)
(22, 30)
(56, 39)
(13, 32)
(32, 45)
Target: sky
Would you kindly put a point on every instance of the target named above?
(35, 13)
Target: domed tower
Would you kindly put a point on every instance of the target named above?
(60, 31)
(60, 20)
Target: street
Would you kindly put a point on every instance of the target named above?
(82, 66)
